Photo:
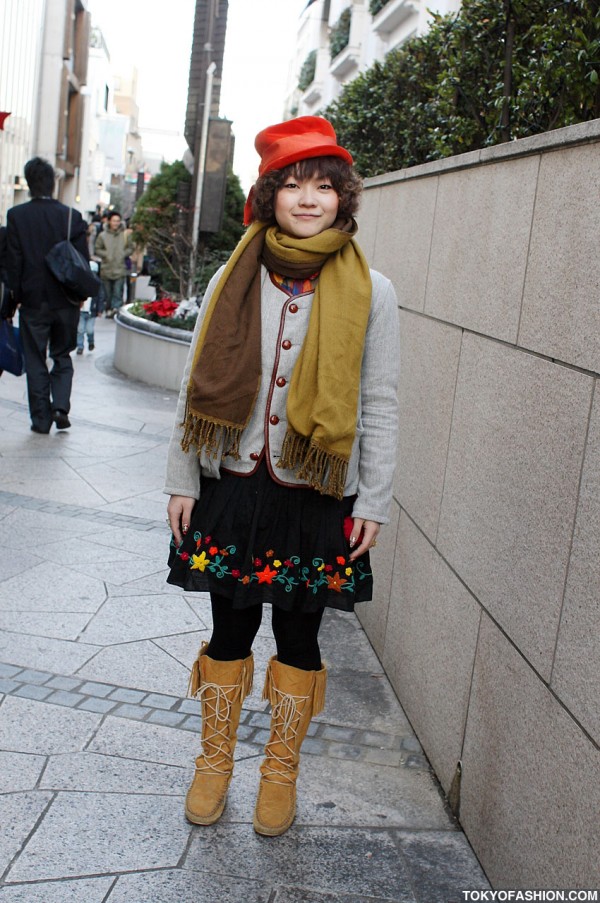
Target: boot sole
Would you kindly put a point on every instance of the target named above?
(204, 819)
(277, 831)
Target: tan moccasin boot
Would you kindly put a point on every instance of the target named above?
(295, 696)
(221, 688)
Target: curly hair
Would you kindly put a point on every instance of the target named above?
(346, 182)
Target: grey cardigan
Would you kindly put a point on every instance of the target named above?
(284, 322)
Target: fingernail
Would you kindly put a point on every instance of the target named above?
(352, 540)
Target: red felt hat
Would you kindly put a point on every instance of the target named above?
(293, 140)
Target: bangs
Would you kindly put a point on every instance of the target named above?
(323, 167)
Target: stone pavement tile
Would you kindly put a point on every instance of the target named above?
(88, 771)
(344, 792)
(87, 890)
(88, 550)
(131, 542)
(33, 691)
(118, 572)
(45, 623)
(298, 895)
(8, 670)
(186, 887)
(30, 529)
(363, 699)
(441, 865)
(29, 726)
(139, 665)
(69, 843)
(62, 656)
(19, 771)
(152, 585)
(17, 562)
(111, 484)
(303, 858)
(18, 814)
(343, 643)
(151, 505)
(139, 618)
(66, 591)
(184, 646)
(146, 742)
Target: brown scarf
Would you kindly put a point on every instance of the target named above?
(323, 395)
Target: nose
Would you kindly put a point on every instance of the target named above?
(307, 197)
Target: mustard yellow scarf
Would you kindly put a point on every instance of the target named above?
(323, 395)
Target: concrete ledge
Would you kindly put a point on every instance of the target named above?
(150, 352)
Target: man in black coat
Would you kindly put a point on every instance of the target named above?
(47, 319)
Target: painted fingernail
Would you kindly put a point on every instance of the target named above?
(352, 540)
(185, 528)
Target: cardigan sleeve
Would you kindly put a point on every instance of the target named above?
(183, 468)
(379, 405)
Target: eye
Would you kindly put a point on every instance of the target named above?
(290, 185)
(326, 186)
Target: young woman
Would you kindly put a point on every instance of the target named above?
(281, 462)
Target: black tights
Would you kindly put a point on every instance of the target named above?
(234, 630)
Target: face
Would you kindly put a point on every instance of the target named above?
(114, 222)
(306, 207)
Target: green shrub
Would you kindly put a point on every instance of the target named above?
(307, 73)
(494, 72)
(340, 33)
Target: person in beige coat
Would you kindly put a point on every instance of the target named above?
(282, 456)
(113, 246)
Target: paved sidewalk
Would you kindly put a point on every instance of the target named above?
(97, 740)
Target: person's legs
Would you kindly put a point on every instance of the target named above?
(296, 635)
(89, 330)
(233, 629)
(295, 686)
(117, 293)
(63, 339)
(35, 331)
(81, 327)
(221, 678)
(107, 284)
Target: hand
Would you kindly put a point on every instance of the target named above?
(365, 533)
(179, 513)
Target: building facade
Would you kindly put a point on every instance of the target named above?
(339, 39)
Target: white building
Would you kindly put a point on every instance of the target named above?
(338, 39)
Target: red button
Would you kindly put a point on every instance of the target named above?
(293, 308)
(281, 381)
(286, 344)
(254, 456)
(273, 419)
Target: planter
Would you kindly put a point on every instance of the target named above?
(150, 352)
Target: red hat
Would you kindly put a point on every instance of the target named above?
(293, 140)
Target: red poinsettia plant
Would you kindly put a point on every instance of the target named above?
(161, 309)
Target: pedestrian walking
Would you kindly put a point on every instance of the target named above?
(90, 309)
(113, 245)
(281, 461)
(47, 318)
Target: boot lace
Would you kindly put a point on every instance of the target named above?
(278, 767)
(216, 702)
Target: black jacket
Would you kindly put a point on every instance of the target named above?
(32, 229)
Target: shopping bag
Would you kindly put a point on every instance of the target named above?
(11, 350)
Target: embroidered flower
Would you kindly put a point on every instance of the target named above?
(245, 579)
(185, 556)
(336, 582)
(258, 562)
(223, 552)
(348, 571)
(340, 559)
(277, 563)
(266, 575)
(207, 539)
(270, 553)
(213, 550)
(235, 572)
(328, 568)
(288, 563)
(198, 543)
(200, 562)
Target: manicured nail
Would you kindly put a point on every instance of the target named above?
(352, 540)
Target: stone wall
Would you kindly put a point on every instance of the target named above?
(487, 613)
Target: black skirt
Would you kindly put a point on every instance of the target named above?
(254, 541)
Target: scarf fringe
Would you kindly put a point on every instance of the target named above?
(322, 470)
(210, 435)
